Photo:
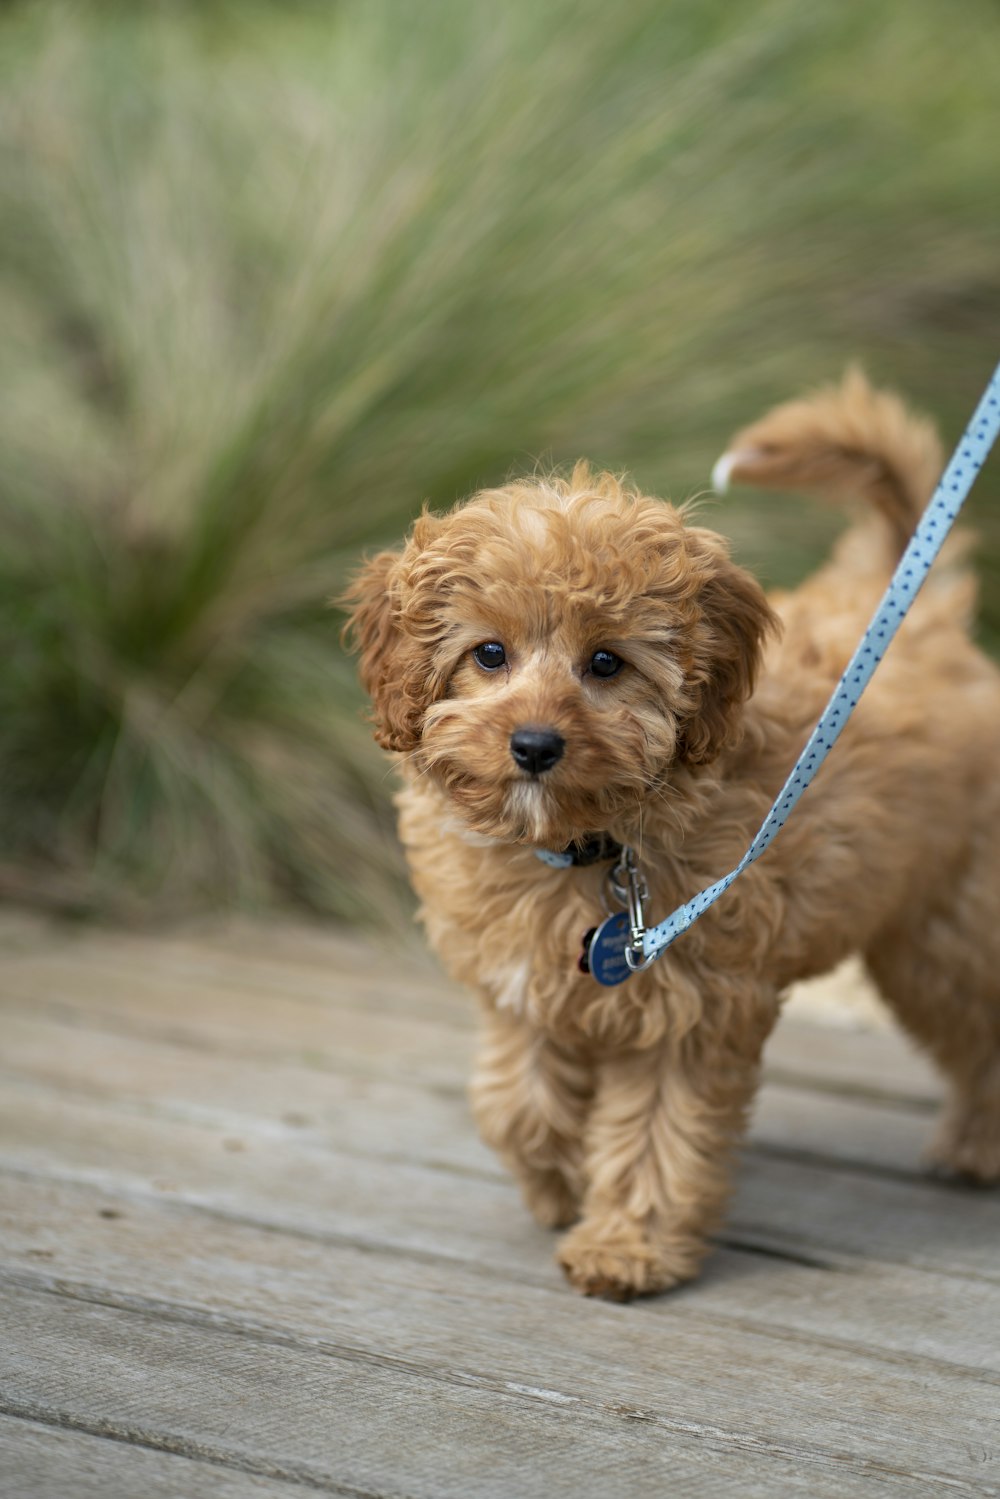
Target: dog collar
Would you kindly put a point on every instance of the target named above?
(597, 848)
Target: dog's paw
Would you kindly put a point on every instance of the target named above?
(965, 1151)
(550, 1199)
(621, 1264)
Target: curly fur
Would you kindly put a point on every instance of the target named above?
(618, 1109)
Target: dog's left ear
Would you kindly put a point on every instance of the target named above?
(735, 619)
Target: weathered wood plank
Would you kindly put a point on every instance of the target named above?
(848, 1132)
(249, 1230)
(321, 1185)
(378, 1031)
(159, 1076)
(227, 1020)
(328, 1415)
(353, 974)
(855, 1063)
(256, 1391)
(55, 1462)
(373, 1004)
(135, 1246)
(245, 1099)
(235, 945)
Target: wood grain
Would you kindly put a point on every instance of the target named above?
(249, 1244)
(39, 1461)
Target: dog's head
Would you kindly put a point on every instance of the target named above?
(548, 652)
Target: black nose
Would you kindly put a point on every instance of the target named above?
(536, 750)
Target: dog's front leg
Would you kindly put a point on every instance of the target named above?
(530, 1098)
(657, 1161)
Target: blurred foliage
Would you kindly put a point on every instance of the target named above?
(273, 275)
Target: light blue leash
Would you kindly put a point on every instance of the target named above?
(621, 945)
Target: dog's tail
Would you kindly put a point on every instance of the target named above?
(844, 441)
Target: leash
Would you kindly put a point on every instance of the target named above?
(623, 944)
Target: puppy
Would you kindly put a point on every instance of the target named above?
(569, 664)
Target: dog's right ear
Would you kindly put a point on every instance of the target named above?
(392, 668)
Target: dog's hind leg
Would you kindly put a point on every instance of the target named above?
(530, 1099)
(939, 970)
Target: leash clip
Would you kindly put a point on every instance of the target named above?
(614, 950)
(631, 891)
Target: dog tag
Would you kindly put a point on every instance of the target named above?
(606, 953)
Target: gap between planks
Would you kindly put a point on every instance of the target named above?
(772, 1176)
(667, 1430)
(158, 1075)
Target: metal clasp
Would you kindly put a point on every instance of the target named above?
(629, 889)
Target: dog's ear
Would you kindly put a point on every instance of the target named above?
(735, 619)
(395, 661)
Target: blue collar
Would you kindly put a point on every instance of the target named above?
(596, 848)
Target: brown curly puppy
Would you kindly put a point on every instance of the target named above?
(559, 659)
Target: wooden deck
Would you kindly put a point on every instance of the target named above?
(250, 1246)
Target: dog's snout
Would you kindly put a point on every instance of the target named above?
(536, 750)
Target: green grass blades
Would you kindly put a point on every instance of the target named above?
(273, 276)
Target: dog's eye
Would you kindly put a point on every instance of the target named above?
(490, 655)
(605, 664)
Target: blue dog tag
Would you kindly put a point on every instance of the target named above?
(606, 954)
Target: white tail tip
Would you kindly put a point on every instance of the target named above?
(720, 473)
(735, 458)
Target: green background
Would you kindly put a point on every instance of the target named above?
(272, 276)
